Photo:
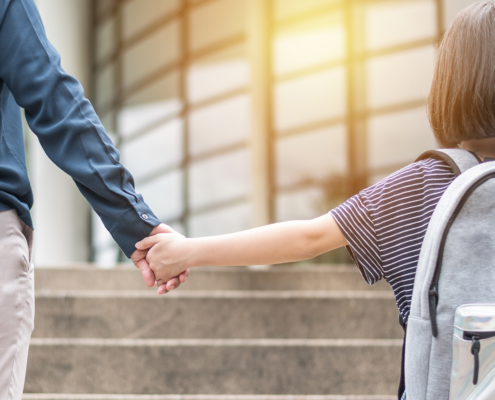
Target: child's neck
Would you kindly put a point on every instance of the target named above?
(482, 147)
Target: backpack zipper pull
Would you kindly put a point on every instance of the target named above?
(475, 351)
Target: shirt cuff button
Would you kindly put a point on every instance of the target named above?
(144, 216)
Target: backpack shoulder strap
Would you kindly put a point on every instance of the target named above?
(457, 159)
(460, 161)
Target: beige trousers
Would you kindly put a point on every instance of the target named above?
(16, 303)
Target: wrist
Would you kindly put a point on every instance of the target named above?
(193, 253)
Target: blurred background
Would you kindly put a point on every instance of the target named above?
(231, 114)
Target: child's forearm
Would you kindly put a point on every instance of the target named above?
(271, 244)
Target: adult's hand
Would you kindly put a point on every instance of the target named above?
(168, 257)
(139, 260)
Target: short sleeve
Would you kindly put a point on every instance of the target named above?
(385, 223)
(357, 227)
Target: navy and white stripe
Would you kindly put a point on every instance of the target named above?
(386, 223)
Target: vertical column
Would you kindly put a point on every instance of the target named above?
(118, 102)
(61, 214)
(258, 44)
(356, 122)
(440, 19)
(184, 64)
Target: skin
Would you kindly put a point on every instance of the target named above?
(483, 147)
(170, 254)
(139, 260)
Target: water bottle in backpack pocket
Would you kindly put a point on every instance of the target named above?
(473, 356)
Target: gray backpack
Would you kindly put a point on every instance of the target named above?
(450, 340)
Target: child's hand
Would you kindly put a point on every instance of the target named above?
(168, 255)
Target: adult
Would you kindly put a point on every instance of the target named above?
(73, 137)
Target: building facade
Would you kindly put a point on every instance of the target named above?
(235, 113)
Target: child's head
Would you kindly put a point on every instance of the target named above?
(461, 104)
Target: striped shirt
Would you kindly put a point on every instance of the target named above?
(386, 223)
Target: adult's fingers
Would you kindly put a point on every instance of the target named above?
(148, 274)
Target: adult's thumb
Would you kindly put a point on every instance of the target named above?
(161, 228)
(147, 243)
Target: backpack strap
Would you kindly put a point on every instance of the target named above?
(457, 159)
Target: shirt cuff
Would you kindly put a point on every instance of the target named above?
(134, 225)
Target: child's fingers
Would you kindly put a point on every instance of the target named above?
(162, 289)
(173, 284)
(183, 276)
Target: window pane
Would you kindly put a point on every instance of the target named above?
(452, 8)
(179, 227)
(214, 22)
(225, 71)
(155, 150)
(220, 125)
(225, 220)
(139, 14)
(164, 195)
(105, 87)
(311, 156)
(408, 20)
(310, 99)
(301, 204)
(292, 8)
(104, 247)
(400, 77)
(154, 103)
(219, 179)
(108, 123)
(396, 140)
(312, 43)
(106, 40)
(150, 54)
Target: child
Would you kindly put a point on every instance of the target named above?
(385, 224)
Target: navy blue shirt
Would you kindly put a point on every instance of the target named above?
(66, 125)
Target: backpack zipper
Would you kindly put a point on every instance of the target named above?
(475, 337)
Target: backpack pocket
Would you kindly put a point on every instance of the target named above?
(473, 353)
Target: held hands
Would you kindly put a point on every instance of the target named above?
(139, 259)
(167, 255)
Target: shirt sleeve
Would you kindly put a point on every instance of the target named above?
(67, 126)
(354, 221)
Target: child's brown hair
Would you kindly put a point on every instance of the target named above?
(461, 104)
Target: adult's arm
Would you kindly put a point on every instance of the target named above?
(67, 126)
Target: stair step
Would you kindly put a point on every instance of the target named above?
(206, 366)
(125, 277)
(42, 396)
(217, 314)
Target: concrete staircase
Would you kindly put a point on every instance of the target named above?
(276, 333)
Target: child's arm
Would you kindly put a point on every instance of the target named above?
(172, 253)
